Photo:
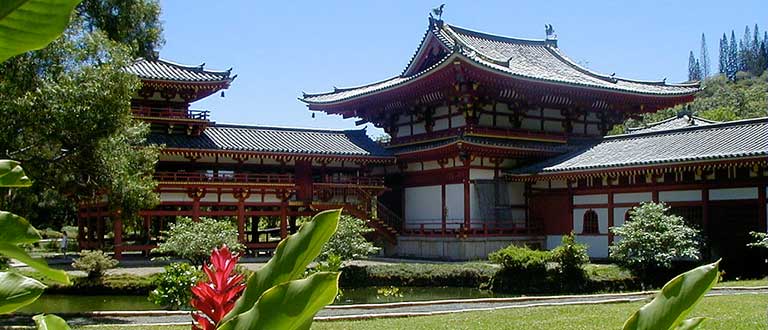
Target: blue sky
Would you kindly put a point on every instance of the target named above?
(280, 48)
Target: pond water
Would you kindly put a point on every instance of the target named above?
(56, 303)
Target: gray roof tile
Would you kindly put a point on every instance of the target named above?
(745, 138)
(166, 70)
(227, 137)
(524, 58)
(671, 123)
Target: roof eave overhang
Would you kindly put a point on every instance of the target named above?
(642, 168)
(326, 106)
(279, 155)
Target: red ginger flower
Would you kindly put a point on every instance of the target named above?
(216, 297)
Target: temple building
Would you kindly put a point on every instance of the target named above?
(492, 141)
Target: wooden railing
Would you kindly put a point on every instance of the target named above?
(352, 180)
(489, 228)
(388, 217)
(234, 177)
(327, 182)
(170, 113)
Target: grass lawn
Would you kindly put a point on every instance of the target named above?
(726, 312)
(761, 282)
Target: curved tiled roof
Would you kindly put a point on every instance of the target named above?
(225, 137)
(539, 60)
(671, 123)
(503, 143)
(166, 70)
(737, 139)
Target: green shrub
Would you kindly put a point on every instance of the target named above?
(417, 274)
(174, 286)
(571, 258)
(651, 240)
(521, 258)
(349, 241)
(95, 263)
(194, 241)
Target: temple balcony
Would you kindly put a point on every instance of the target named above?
(203, 178)
(173, 120)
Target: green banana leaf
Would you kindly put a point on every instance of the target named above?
(675, 300)
(291, 258)
(12, 175)
(288, 306)
(691, 323)
(31, 24)
(17, 291)
(16, 230)
(50, 322)
(39, 265)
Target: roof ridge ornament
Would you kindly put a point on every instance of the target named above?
(438, 15)
(550, 31)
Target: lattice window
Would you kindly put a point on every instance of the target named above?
(591, 224)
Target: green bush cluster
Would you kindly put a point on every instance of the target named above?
(349, 242)
(654, 243)
(194, 241)
(95, 263)
(526, 270)
(406, 274)
(521, 259)
(174, 286)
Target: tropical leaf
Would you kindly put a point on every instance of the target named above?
(12, 175)
(39, 265)
(50, 322)
(675, 300)
(31, 24)
(16, 230)
(288, 306)
(291, 258)
(691, 323)
(17, 291)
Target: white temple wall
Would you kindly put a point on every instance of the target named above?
(423, 206)
(454, 203)
(680, 196)
(728, 194)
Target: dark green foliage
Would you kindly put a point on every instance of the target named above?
(174, 286)
(521, 259)
(406, 274)
(571, 258)
(721, 99)
(652, 240)
(135, 23)
(349, 241)
(66, 116)
(94, 263)
(194, 241)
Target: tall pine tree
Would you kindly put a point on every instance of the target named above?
(692, 74)
(723, 55)
(733, 56)
(704, 58)
(745, 50)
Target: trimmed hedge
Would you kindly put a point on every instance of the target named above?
(407, 274)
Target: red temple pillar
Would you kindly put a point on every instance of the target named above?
(284, 220)
(196, 209)
(117, 223)
(241, 220)
(467, 211)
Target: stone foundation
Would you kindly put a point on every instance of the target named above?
(452, 248)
